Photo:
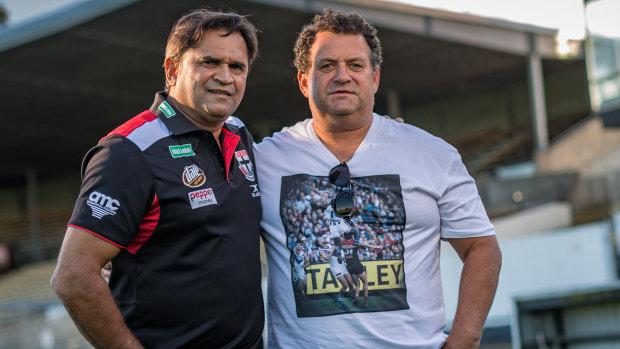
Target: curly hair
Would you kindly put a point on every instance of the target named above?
(339, 23)
(189, 30)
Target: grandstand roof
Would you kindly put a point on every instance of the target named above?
(71, 76)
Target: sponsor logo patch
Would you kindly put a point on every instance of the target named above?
(245, 164)
(193, 176)
(166, 109)
(178, 151)
(102, 205)
(255, 191)
(201, 198)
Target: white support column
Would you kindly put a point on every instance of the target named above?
(537, 99)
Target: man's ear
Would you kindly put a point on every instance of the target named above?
(171, 70)
(303, 84)
(375, 79)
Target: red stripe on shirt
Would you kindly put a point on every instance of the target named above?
(129, 126)
(97, 235)
(146, 228)
(230, 144)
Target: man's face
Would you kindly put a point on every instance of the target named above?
(341, 79)
(209, 80)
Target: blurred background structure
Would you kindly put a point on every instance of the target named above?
(533, 112)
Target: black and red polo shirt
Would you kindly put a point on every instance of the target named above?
(186, 217)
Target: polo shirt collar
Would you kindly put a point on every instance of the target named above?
(174, 120)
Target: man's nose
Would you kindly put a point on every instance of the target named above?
(223, 75)
(342, 73)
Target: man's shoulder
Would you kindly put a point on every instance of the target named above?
(115, 153)
(143, 130)
(411, 136)
(235, 122)
(295, 135)
(235, 125)
(132, 124)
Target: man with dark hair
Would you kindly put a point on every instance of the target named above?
(166, 197)
(431, 195)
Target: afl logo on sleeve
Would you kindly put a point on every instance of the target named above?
(193, 176)
(245, 164)
(102, 205)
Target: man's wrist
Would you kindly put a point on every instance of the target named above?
(462, 341)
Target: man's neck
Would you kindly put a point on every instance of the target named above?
(342, 135)
(215, 128)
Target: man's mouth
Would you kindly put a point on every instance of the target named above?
(221, 92)
(337, 92)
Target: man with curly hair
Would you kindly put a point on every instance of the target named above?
(338, 57)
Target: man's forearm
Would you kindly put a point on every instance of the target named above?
(92, 308)
(482, 263)
(78, 283)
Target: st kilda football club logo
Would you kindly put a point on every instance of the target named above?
(245, 164)
(193, 176)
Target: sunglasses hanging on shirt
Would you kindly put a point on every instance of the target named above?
(342, 203)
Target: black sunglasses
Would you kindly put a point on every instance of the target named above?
(342, 203)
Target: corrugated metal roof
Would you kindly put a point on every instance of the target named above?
(56, 21)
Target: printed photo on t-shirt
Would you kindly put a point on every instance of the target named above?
(335, 257)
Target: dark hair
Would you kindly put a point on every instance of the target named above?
(189, 30)
(339, 23)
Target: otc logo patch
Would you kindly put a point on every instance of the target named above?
(178, 151)
(193, 176)
(201, 198)
(102, 205)
(245, 164)
(166, 109)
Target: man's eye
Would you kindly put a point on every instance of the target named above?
(237, 68)
(356, 66)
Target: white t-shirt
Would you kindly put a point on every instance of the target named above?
(425, 194)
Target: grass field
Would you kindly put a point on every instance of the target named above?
(327, 305)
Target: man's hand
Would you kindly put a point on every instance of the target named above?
(106, 271)
(397, 119)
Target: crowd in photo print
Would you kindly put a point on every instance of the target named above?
(377, 224)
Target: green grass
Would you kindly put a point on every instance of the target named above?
(328, 305)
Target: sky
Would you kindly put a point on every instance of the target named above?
(566, 15)
(23, 9)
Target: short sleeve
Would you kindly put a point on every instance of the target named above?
(117, 189)
(460, 207)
